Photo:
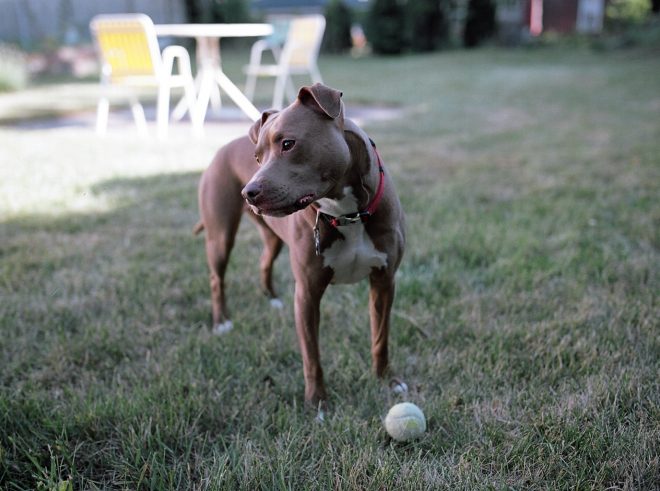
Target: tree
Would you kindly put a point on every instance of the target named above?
(200, 11)
(194, 11)
(427, 24)
(338, 18)
(228, 11)
(386, 27)
(480, 22)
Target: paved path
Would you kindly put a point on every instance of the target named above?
(229, 116)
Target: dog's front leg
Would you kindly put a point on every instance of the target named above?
(381, 297)
(307, 305)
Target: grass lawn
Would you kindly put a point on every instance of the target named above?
(526, 318)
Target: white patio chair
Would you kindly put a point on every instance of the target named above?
(298, 57)
(130, 57)
(274, 42)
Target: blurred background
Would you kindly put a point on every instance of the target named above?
(41, 38)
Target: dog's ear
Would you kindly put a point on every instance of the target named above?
(359, 148)
(256, 127)
(322, 99)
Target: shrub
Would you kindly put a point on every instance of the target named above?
(386, 27)
(13, 69)
(427, 24)
(394, 26)
(228, 11)
(194, 11)
(480, 22)
(216, 11)
(624, 13)
(338, 18)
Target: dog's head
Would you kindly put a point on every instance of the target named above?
(302, 153)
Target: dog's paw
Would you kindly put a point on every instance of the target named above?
(398, 386)
(276, 303)
(223, 328)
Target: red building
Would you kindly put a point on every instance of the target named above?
(563, 16)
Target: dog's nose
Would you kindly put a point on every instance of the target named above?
(251, 191)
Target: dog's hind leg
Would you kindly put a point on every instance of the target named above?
(217, 255)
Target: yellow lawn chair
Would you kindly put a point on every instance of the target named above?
(130, 57)
(298, 56)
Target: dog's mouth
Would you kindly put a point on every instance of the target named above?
(305, 201)
(281, 211)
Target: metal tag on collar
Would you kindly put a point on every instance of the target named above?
(317, 234)
(349, 219)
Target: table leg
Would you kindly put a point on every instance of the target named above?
(208, 62)
(207, 86)
(211, 60)
(237, 96)
(210, 79)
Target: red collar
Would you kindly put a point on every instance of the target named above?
(360, 216)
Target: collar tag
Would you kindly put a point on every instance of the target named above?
(317, 234)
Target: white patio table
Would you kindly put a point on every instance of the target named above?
(210, 77)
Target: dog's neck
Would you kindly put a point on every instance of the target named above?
(346, 204)
(355, 192)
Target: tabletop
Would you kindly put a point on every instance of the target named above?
(213, 30)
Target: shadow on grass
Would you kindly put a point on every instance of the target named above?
(136, 266)
(63, 271)
(163, 195)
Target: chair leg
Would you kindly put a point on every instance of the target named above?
(138, 116)
(182, 106)
(278, 93)
(250, 86)
(290, 89)
(179, 110)
(216, 98)
(163, 116)
(196, 116)
(315, 74)
(255, 61)
(102, 110)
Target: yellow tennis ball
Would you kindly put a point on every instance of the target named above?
(405, 421)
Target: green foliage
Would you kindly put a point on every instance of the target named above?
(228, 11)
(386, 27)
(427, 24)
(193, 10)
(621, 13)
(480, 24)
(338, 18)
(217, 11)
(13, 69)
(397, 26)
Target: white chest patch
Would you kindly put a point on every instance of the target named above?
(352, 258)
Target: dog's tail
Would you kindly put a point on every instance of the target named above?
(198, 228)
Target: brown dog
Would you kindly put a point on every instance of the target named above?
(313, 180)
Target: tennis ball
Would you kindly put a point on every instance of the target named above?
(405, 421)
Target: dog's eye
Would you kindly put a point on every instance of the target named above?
(287, 145)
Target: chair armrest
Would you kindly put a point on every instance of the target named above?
(256, 53)
(180, 54)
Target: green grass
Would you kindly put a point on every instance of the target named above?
(526, 318)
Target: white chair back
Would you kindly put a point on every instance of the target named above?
(303, 41)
